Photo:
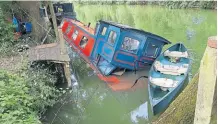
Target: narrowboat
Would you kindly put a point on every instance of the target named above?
(119, 54)
(168, 76)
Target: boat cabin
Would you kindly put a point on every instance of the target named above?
(79, 36)
(122, 46)
(112, 46)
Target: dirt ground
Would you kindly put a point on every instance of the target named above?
(13, 63)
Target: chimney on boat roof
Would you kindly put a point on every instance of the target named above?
(89, 24)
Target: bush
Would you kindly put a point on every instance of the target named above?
(15, 101)
(41, 82)
(24, 99)
(6, 35)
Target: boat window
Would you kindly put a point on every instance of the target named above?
(152, 50)
(75, 34)
(103, 32)
(130, 44)
(68, 29)
(112, 37)
(96, 27)
(83, 42)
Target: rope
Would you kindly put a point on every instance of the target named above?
(135, 64)
(138, 79)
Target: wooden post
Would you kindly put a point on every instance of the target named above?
(65, 57)
(67, 73)
(207, 83)
(58, 32)
(60, 40)
(54, 20)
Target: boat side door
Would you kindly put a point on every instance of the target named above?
(107, 45)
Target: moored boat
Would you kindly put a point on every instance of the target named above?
(168, 76)
(114, 51)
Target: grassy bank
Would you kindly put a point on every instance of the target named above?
(189, 26)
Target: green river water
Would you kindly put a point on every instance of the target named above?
(93, 102)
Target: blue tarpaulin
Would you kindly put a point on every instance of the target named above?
(16, 24)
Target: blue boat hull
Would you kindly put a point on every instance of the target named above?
(160, 99)
(164, 103)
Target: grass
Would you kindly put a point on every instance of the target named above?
(192, 27)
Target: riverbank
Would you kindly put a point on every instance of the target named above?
(26, 89)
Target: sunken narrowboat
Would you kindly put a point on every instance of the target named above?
(114, 51)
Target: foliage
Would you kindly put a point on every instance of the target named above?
(186, 4)
(9, 40)
(169, 4)
(15, 101)
(41, 82)
(6, 35)
(24, 98)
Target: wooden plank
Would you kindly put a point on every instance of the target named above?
(48, 52)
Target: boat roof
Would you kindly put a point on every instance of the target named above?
(122, 26)
(81, 25)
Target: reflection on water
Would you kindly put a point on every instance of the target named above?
(140, 112)
(198, 20)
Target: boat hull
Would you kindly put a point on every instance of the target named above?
(165, 102)
(162, 95)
